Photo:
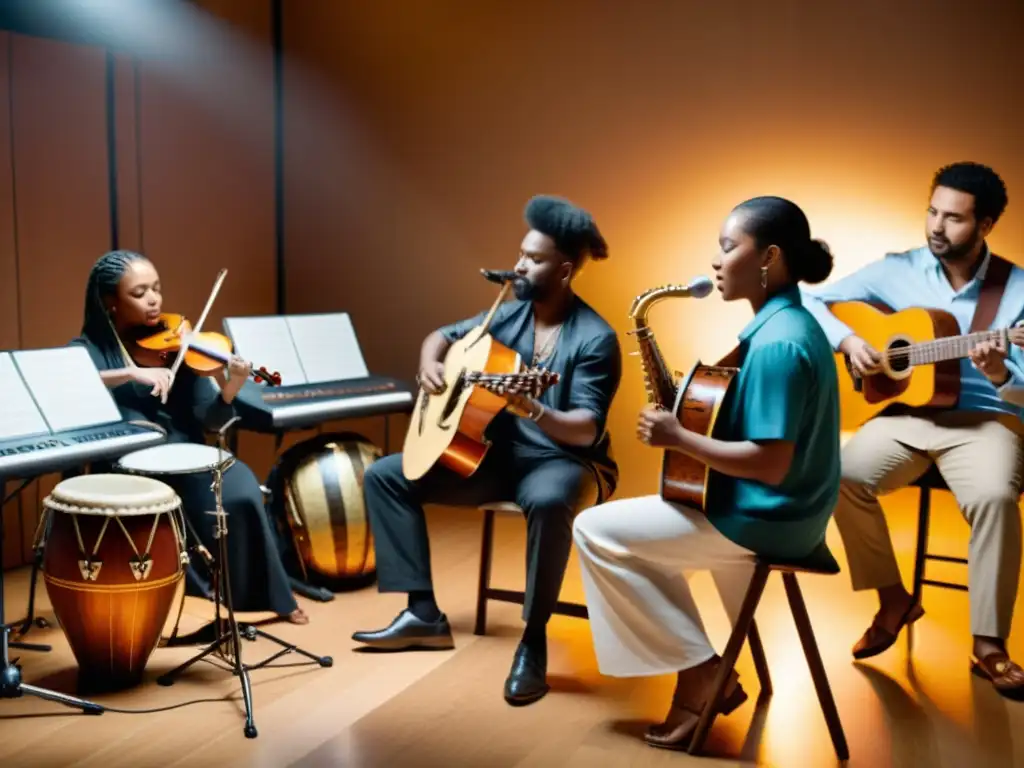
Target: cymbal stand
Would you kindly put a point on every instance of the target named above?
(230, 631)
(11, 686)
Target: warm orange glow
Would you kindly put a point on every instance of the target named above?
(679, 241)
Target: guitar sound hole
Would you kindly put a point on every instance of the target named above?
(899, 362)
(458, 387)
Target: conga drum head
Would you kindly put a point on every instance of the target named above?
(108, 494)
(174, 459)
(318, 500)
(112, 562)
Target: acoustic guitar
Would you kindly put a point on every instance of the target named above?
(921, 351)
(448, 428)
(698, 403)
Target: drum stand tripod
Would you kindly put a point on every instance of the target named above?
(11, 686)
(230, 632)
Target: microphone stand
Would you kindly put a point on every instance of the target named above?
(231, 632)
(11, 686)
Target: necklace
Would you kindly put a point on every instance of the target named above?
(549, 344)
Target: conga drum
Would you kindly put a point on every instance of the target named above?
(317, 501)
(112, 561)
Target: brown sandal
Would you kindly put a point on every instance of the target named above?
(1006, 675)
(675, 732)
(878, 639)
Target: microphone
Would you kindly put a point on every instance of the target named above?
(498, 276)
(700, 287)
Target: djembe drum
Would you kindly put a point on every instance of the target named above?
(113, 558)
(317, 502)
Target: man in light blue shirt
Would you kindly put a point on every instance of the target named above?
(977, 444)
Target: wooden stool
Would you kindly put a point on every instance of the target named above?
(928, 482)
(486, 592)
(821, 562)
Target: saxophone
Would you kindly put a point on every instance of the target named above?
(658, 381)
(683, 479)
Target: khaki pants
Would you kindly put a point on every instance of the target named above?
(979, 456)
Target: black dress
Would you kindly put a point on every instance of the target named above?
(258, 578)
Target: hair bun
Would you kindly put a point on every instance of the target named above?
(816, 262)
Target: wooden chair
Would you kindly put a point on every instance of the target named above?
(485, 591)
(819, 562)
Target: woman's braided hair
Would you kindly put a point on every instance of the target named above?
(104, 278)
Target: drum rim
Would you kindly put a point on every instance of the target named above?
(133, 510)
(154, 472)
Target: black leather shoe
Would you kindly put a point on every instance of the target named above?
(527, 680)
(407, 632)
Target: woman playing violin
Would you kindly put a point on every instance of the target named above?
(123, 303)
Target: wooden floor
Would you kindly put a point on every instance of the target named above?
(446, 709)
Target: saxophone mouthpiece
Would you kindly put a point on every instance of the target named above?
(498, 276)
(700, 287)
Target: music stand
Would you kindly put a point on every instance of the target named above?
(232, 633)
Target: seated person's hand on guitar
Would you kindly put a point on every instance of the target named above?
(864, 359)
(989, 358)
(157, 378)
(431, 377)
(658, 428)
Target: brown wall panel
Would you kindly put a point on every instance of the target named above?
(8, 254)
(61, 181)
(205, 165)
(126, 153)
(61, 204)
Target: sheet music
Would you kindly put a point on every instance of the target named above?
(19, 415)
(67, 387)
(327, 347)
(267, 341)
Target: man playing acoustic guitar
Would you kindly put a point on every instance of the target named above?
(976, 444)
(550, 456)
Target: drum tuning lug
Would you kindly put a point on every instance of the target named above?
(141, 566)
(90, 569)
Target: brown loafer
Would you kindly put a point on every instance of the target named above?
(1005, 674)
(878, 639)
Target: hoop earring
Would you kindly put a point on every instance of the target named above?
(764, 277)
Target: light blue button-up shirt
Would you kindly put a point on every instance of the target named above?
(916, 279)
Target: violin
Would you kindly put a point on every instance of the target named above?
(207, 352)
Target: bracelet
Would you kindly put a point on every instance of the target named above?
(539, 413)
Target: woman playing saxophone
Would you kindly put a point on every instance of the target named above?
(775, 457)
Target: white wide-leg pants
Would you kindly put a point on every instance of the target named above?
(633, 553)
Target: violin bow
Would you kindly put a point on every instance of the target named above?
(196, 328)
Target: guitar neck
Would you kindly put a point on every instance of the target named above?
(948, 348)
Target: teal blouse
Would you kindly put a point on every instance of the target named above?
(787, 389)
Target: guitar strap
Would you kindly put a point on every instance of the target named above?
(991, 293)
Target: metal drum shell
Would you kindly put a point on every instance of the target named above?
(317, 497)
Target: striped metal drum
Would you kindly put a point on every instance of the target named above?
(318, 500)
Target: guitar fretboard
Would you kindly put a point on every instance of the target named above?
(949, 348)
